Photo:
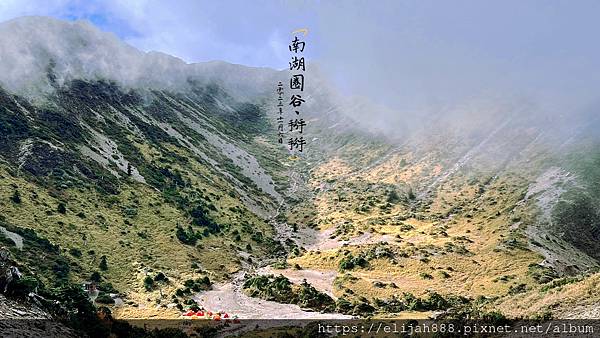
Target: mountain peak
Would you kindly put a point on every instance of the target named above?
(32, 46)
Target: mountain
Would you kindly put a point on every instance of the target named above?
(163, 182)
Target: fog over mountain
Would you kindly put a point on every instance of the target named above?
(165, 184)
(464, 60)
(32, 46)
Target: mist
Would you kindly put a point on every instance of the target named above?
(463, 64)
(401, 67)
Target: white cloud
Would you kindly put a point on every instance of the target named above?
(192, 30)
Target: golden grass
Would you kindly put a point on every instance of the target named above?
(480, 224)
(563, 300)
(135, 244)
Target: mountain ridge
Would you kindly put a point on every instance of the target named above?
(165, 189)
(79, 50)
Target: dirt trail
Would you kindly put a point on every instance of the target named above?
(228, 297)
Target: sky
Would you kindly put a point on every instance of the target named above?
(409, 55)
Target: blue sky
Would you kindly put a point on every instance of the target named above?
(405, 54)
(247, 32)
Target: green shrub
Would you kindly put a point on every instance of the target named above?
(103, 263)
(61, 268)
(160, 277)
(280, 265)
(516, 289)
(363, 308)
(257, 237)
(342, 305)
(393, 197)
(198, 284)
(23, 286)
(350, 262)
(310, 297)
(61, 208)
(280, 289)
(104, 298)
(75, 252)
(95, 277)
(148, 283)
(189, 236)
(16, 197)
(424, 275)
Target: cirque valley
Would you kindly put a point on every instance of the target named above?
(163, 183)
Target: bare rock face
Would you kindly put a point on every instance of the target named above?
(20, 319)
(8, 272)
(23, 317)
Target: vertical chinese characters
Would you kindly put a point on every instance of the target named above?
(280, 106)
(297, 81)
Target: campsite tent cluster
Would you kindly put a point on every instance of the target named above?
(205, 314)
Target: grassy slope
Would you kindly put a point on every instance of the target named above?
(134, 226)
(467, 240)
